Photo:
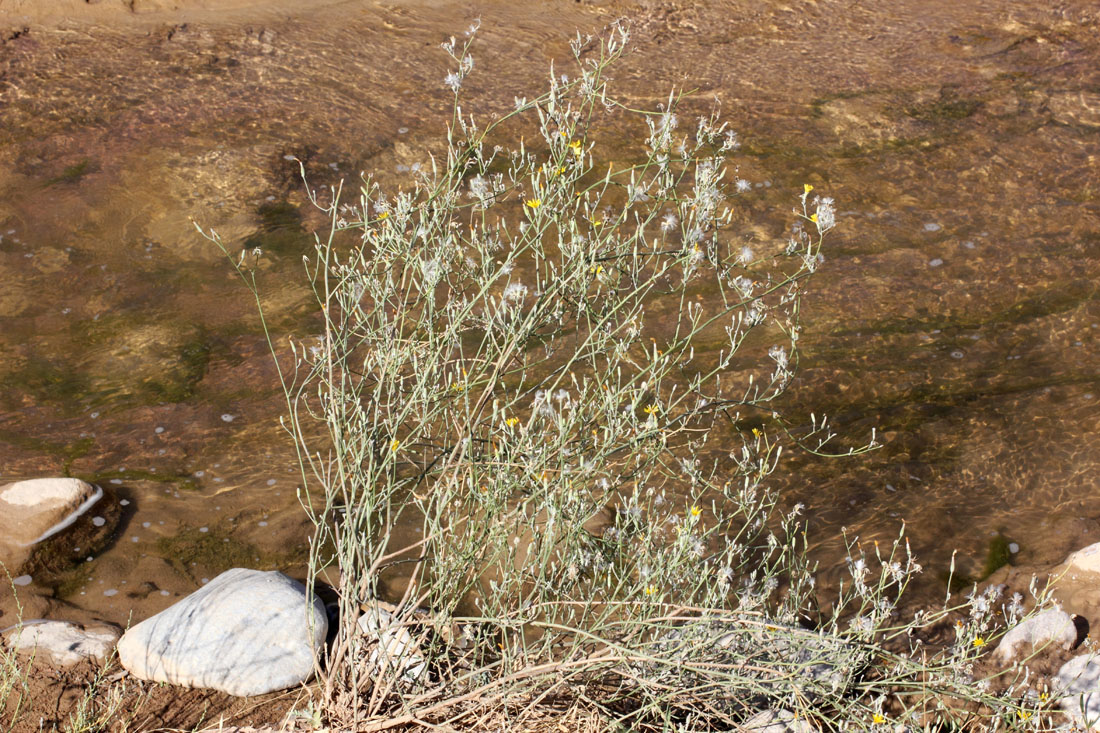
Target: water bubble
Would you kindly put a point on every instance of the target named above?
(226, 417)
(164, 593)
(205, 581)
(204, 529)
(400, 131)
(199, 474)
(124, 502)
(1087, 395)
(969, 245)
(932, 226)
(271, 482)
(957, 354)
(135, 539)
(116, 481)
(159, 430)
(146, 525)
(935, 262)
(99, 521)
(94, 415)
(22, 580)
(110, 592)
(263, 524)
(1013, 547)
(290, 157)
(76, 549)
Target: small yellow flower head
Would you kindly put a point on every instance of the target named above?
(806, 188)
(512, 421)
(597, 270)
(395, 445)
(652, 410)
(696, 511)
(595, 222)
(650, 590)
(1024, 714)
(979, 642)
(533, 203)
(813, 218)
(576, 148)
(878, 719)
(756, 432)
(384, 215)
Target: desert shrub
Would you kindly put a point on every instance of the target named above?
(535, 406)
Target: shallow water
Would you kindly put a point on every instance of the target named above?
(956, 311)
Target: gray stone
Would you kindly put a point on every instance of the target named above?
(1078, 687)
(776, 721)
(62, 643)
(395, 650)
(246, 632)
(1051, 627)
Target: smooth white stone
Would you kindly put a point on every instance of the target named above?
(1049, 628)
(246, 632)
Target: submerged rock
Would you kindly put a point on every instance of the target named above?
(62, 643)
(1052, 627)
(247, 632)
(34, 512)
(1085, 560)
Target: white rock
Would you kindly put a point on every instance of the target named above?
(63, 643)
(1086, 559)
(776, 721)
(396, 650)
(246, 632)
(1078, 687)
(1052, 627)
(39, 508)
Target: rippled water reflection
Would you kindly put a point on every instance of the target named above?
(956, 312)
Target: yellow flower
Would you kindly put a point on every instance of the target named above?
(806, 188)
(576, 147)
(813, 218)
(1024, 714)
(533, 203)
(878, 719)
(756, 432)
(696, 511)
(979, 642)
(395, 445)
(651, 410)
(511, 422)
(597, 269)
(595, 222)
(650, 590)
(383, 215)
